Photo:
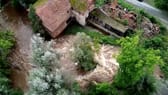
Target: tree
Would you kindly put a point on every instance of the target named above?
(135, 63)
(83, 53)
(46, 78)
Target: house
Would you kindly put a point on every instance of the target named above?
(54, 15)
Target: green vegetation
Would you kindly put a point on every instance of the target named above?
(129, 7)
(135, 75)
(6, 43)
(79, 5)
(22, 3)
(39, 3)
(94, 34)
(35, 21)
(162, 4)
(99, 3)
(135, 62)
(102, 89)
(84, 52)
(158, 42)
(47, 79)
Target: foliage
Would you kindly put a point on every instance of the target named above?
(126, 5)
(94, 34)
(79, 5)
(39, 3)
(102, 89)
(46, 78)
(158, 42)
(99, 3)
(162, 4)
(35, 21)
(6, 43)
(22, 3)
(145, 86)
(135, 63)
(83, 53)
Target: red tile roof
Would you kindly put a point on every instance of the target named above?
(54, 14)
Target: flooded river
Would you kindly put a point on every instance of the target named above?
(18, 23)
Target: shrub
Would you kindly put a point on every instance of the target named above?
(83, 53)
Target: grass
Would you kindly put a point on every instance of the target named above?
(39, 3)
(94, 34)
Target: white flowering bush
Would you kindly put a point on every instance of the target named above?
(46, 78)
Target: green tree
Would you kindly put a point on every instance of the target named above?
(135, 62)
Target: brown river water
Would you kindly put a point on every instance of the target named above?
(20, 57)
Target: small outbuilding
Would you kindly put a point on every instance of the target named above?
(101, 20)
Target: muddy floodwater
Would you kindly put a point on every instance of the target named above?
(18, 23)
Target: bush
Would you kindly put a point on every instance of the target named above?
(101, 89)
(83, 53)
(145, 86)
